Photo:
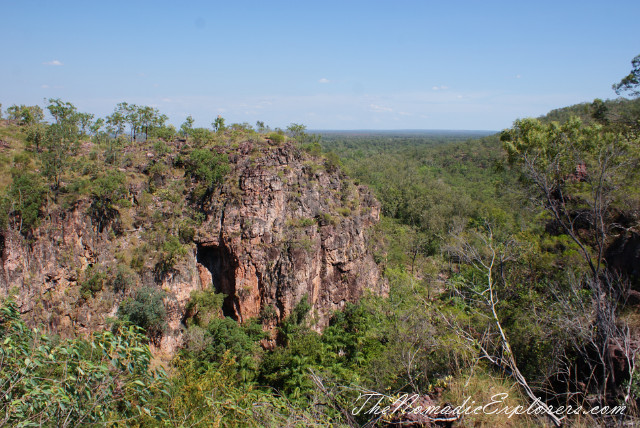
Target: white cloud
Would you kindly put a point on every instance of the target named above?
(262, 104)
(44, 86)
(323, 80)
(411, 110)
(55, 62)
(378, 108)
(439, 88)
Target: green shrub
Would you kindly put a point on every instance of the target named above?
(314, 148)
(27, 195)
(106, 191)
(92, 283)
(301, 222)
(123, 278)
(203, 306)
(207, 167)
(344, 211)
(36, 133)
(161, 148)
(167, 133)
(74, 382)
(186, 233)
(202, 136)
(300, 311)
(268, 314)
(170, 252)
(325, 219)
(303, 243)
(276, 137)
(242, 340)
(146, 310)
(332, 162)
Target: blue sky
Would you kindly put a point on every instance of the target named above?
(329, 64)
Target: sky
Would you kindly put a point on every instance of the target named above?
(326, 64)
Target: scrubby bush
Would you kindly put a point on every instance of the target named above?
(36, 134)
(106, 191)
(92, 283)
(122, 278)
(167, 133)
(203, 306)
(241, 340)
(205, 166)
(332, 162)
(161, 148)
(146, 310)
(210, 339)
(186, 233)
(25, 115)
(276, 137)
(26, 196)
(202, 136)
(170, 252)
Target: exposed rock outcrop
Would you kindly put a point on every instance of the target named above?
(281, 228)
(296, 230)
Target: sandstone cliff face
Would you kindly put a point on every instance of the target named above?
(281, 228)
(42, 273)
(296, 230)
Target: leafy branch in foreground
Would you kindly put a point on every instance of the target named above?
(105, 378)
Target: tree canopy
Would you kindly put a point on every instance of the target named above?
(631, 81)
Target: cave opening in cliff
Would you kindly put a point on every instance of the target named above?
(220, 263)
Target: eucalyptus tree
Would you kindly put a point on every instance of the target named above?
(218, 124)
(75, 382)
(131, 116)
(580, 175)
(62, 111)
(296, 131)
(116, 123)
(260, 127)
(149, 119)
(25, 115)
(97, 126)
(85, 121)
(631, 82)
(61, 140)
(187, 126)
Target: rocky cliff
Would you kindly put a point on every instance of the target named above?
(298, 229)
(283, 226)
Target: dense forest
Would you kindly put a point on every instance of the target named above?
(511, 261)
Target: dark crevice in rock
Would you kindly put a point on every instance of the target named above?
(623, 257)
(3, 254)
(222, 266)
